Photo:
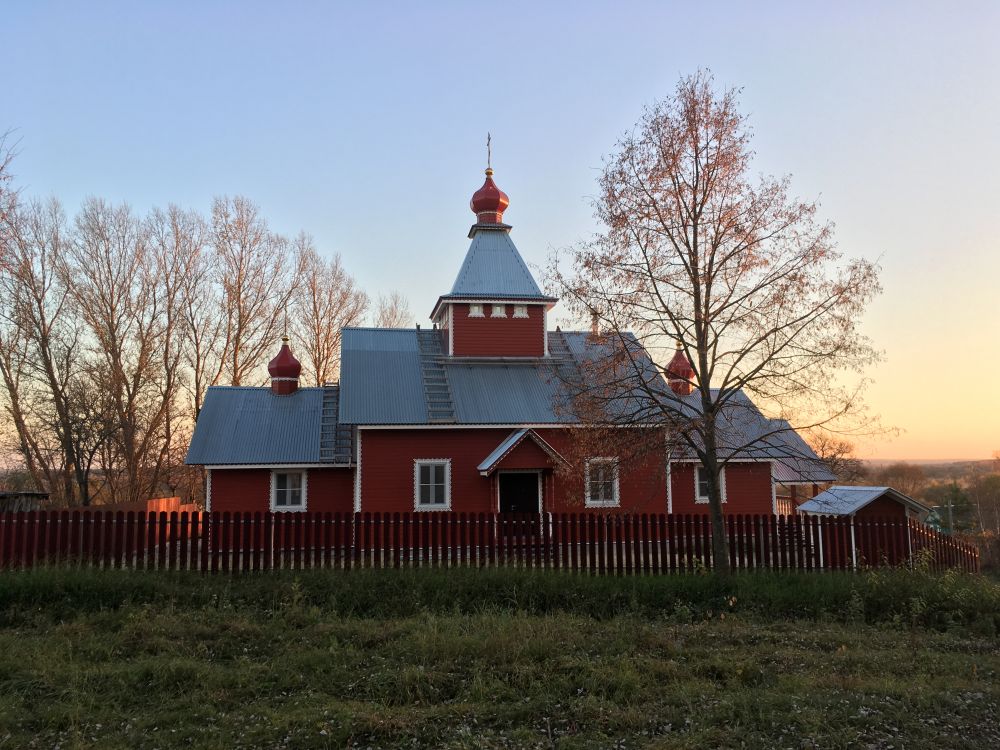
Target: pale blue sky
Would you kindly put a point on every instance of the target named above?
(363, 124)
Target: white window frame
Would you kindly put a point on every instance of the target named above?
(275, 508)
(616, 500)
(417, 505)
(520, 311)
(498, 311)
(703, 499)
(476, 310)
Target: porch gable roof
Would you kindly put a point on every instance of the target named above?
(492, 461)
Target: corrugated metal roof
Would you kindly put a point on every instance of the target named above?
(240, 425)
(380, 377)
(846, 501)
(510, 393)
(382, 384)
(494, 268)
(744, 433)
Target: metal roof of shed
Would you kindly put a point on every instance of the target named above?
(846, 501)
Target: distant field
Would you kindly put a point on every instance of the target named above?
(473, 659)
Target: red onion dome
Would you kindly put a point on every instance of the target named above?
(489, 202)
(284, 365)
(680, 373)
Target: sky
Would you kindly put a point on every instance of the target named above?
(364, 124)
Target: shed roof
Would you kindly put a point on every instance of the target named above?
(842, 500)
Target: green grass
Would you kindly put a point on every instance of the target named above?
(497, 659)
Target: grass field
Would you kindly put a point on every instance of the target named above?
(497, 659)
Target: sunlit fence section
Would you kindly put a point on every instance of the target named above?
(591, 543)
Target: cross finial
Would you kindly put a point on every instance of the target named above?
(489, 151)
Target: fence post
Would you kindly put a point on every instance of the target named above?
(854, 549)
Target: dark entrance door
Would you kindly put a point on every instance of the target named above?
(519, 493)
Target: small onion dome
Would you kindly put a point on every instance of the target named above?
(680, 373)
(284, 370)
(489, 202)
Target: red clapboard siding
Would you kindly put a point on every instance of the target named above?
(499, 337)
(249, 490)
(748, 489)
(527, 455)
(245, 490)
(884, 507)
(331, 490)
(387, 458)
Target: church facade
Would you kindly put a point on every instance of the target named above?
(463, 417)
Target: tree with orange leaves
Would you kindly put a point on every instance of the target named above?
(695, 249)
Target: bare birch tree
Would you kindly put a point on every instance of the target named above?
(8, 196)
(392, 311)
(326, 300)
(256, 270)
(696, 249)
(42, 352)
(126, 293)
(113, 326)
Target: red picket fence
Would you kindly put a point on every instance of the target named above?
(603, 544)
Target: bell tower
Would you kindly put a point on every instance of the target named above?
(495, 308)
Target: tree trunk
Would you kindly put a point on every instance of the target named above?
(710, 460)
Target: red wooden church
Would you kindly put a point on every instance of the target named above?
(464, 417)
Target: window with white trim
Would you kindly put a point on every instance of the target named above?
(288, 491)
(432, 484)
(476, 311)
(498, 311)
(701, 483)
(520, 311)
(602, 483)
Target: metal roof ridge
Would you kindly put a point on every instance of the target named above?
(266, 388)
(378, 328)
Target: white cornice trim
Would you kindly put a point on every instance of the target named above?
(548, 303)
(357, 476)
(210, 467)
(504, 426)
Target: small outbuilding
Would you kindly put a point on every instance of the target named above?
(14, 501)
(864, 502)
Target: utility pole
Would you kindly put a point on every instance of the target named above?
(952, 492)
